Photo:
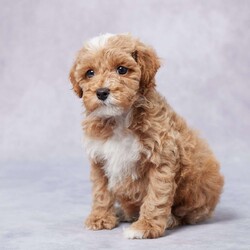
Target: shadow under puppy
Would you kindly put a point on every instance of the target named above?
(143, 155)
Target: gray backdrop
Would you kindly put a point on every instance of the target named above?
(44, 185)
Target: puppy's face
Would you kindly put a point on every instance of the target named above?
(110, 71)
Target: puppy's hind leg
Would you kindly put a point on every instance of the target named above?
(197, 215)
(127, 213)
(173, 221)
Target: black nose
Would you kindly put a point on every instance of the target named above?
(102, 93)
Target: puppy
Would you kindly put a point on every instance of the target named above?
(143, 155)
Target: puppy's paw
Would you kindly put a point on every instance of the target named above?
(123, 217)
(131, 233)
(142, 229)
(98, 222)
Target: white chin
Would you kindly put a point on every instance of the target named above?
(107, 111)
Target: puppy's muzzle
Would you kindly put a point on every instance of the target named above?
(102, 93)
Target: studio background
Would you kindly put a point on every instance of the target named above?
(44, 172)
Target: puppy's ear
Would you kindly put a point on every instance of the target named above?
(149, 63)
(74, 81)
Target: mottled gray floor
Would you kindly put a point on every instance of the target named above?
(43, 207)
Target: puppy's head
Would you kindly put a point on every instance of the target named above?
(111, 71)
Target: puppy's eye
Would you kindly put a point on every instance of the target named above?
(121, 70)
(90, 73)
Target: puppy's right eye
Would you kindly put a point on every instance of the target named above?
(90, 73)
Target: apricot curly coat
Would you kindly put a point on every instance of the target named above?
(173, 177)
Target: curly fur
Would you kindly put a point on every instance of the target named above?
(143, 155)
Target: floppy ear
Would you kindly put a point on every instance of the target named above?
(149, 64)
(74, 82)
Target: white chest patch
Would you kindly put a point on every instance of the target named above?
(119, 154)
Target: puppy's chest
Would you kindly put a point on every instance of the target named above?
(119, 154)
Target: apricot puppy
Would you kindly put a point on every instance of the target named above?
(143, 155)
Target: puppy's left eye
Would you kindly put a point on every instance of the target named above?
(121, 70)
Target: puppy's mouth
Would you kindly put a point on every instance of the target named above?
(106, 110)
(105, 105)
(108, 105)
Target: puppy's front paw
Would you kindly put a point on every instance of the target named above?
(142, 229)
(98, 222)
